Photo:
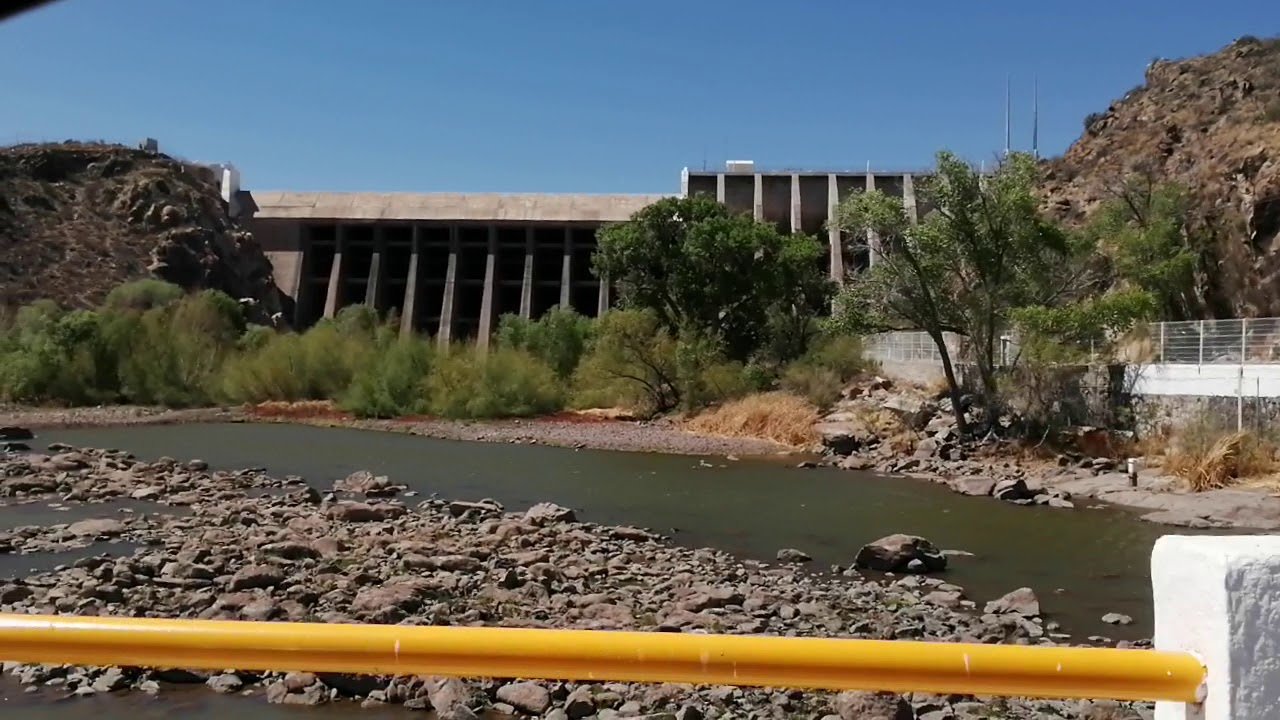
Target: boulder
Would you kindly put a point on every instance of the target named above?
(256, 576)
(791, 555)
(1117, 619)
(1012, 489)
(366, 483)
(291, 550)
(894, 553)
(1018, 602)
(973, 485)
(527, 696)
(545, 513)
(12, 432)
(349, 511)
(458, 508)
(451, 699)
(858, 705)
(843, 437)
(97, 527)
(914, 412)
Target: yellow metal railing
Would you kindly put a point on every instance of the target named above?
(814, 663)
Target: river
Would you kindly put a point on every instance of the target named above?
(1082, 563)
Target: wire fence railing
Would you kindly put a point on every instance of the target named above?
(1237, 341)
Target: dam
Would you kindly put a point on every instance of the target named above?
(450, 264)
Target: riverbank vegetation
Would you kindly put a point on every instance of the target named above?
(715, 307)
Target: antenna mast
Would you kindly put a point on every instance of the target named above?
(1008, 112)
(1035, 118)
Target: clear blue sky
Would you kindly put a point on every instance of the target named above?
(579, 95)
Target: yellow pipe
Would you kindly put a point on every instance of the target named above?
(832, 664)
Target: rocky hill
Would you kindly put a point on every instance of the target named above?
(78, 219)
(1211, 124)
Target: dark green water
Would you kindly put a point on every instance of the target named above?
(1081, 563)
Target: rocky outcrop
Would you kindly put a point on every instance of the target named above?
(240, 553)
(1212, 125)
(78, 219)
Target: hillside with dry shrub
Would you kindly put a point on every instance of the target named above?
(77, 220)
(1210, 124)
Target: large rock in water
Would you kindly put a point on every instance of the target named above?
(895, 553)
(1019, 602)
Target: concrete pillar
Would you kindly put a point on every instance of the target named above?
(490, 291)
(373, 288)
(720, 188)
(835, 248)
(444, 335)
(873, 237)
(795, 204)
(909, 198)
(526, 286)
(566, 264)
(758, 202)
(304, 290)
(602, 299)
(333, 293)
(1218, 598)
(409, 308)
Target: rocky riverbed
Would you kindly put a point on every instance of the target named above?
(253, 547)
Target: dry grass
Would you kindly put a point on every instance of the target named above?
(781, 417)
(1207, 463)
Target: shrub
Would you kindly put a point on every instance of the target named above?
(393, 383)
(831, 362)
(505, 382)
(559, 338)
(52, 356)
(821, 386)
(175, 356)
(781, 417)
(631, 364)
(317, 365)
(142, 295)
(843, 354)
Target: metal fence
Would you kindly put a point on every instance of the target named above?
(909, 346)
(1194, 342)
(1216, 342)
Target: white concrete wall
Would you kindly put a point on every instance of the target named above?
(1218, 598)
(1250, 380)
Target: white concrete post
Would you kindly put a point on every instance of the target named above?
(1218, 598)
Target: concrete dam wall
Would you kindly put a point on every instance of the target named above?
(451, 264)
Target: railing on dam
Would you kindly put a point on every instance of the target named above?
(1215, 657)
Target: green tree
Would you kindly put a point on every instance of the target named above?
(1143, 231)
(699, 268)
(984, 252)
